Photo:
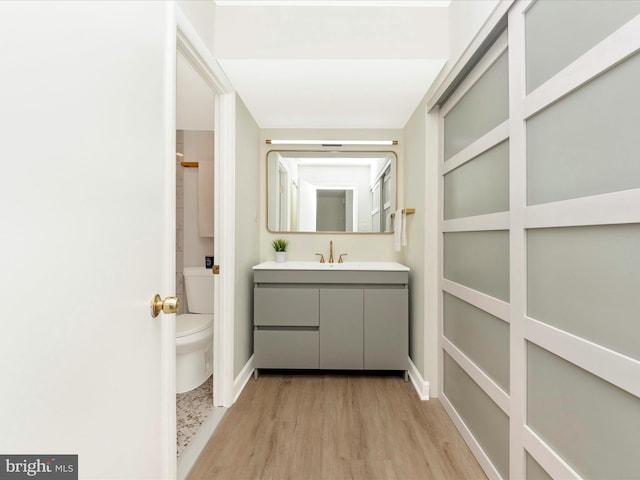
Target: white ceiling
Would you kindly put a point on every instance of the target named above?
(331, 93)
(331, 64)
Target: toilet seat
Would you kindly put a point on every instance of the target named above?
(190, 323)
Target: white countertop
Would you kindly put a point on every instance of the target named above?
(353, 266)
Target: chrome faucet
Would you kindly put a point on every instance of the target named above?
(331, 251)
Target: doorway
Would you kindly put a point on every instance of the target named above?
(210, 106)
(334, 210)
(195, 127)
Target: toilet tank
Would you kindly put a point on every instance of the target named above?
(198, 283)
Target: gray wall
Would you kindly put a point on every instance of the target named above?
(421, 189)
(247, 232)
(414, 253)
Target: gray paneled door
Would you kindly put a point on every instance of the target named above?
(540, 221)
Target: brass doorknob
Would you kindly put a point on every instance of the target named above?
(168, 305)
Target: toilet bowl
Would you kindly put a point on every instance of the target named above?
(194, 331)
(194, 350)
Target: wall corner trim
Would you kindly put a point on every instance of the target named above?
(494, 26)
(243, 377)
(419, 383)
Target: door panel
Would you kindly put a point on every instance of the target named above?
(87, 235)
(386, 337)
(341, 328)
(586, 143)
(282, 348)
(286, 306)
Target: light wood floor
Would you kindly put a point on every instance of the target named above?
(335, 427)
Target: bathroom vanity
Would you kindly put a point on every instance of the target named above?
(343, 316)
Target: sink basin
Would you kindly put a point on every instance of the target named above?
(350, 266)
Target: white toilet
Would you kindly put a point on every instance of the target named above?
(194, 331)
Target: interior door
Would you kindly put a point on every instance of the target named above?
(87, 209)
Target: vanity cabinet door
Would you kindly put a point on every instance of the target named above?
(386, 328)
(293, 307)
(341, 328)
(279, 348)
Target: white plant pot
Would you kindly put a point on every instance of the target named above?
(281, 257)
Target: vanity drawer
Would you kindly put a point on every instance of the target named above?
(274, 306)
(275, 348)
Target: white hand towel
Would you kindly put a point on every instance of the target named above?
(403, 240)
(398, 226)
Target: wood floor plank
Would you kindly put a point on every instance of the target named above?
(302, 426)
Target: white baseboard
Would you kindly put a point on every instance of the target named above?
(243, 377)
(188, 458)
(419, 383)
(190, 455)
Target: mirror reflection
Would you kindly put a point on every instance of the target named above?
(314, 191)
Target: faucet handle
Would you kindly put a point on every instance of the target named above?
(321, 257)
(340, 258)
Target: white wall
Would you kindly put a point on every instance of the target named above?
(414, 254)
(303, 246)
(195, 100)
(202, 16)
(247, 231)
(465, 19)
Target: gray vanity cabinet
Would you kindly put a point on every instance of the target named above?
(334, 320)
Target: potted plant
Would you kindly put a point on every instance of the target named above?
(280, 246)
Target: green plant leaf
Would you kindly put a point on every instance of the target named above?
(280, 245)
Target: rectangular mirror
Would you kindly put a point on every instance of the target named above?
(338, 192)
